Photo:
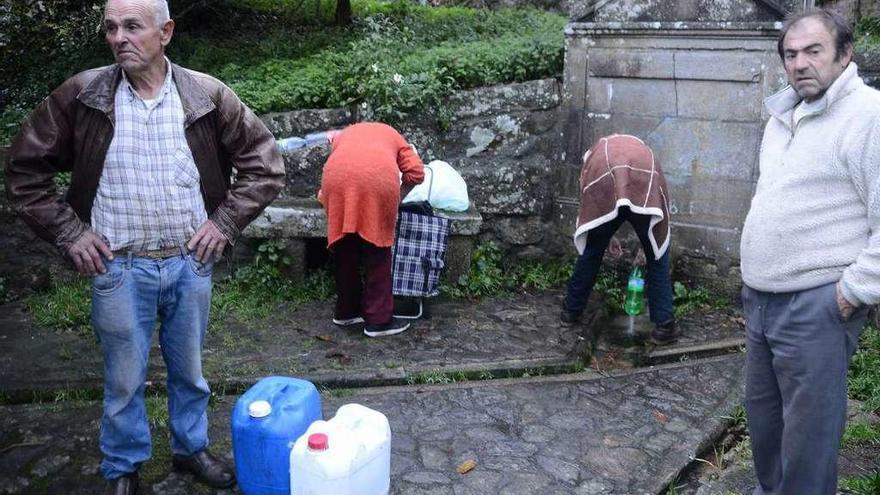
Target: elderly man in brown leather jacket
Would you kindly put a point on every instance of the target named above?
(152, 148)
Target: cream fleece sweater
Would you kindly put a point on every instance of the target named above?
(815, 216)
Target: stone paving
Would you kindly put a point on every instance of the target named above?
(583, 433)
(608, 430)
(506, 336)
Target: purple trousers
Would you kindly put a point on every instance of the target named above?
(371, 298)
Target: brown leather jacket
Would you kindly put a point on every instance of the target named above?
(71, 130)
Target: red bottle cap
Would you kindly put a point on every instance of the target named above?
(318, 441)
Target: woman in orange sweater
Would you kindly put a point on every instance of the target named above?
(371, 166)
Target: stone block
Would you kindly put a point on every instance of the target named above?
(519, 230)
(643, 64)
(295, 249)
(303, 168)
(713, 242)
(458, 257)
(647, 97)
(566, 181)
(714, 65)
(709, 201)
(848, 9)
(599, 125)
(718, 36)
(684, 10)
(515, 134)
(719, 100)
(540, 94)
(302, 122)
(506, 186)
(574, 75)
(715, 149)
(288, 219)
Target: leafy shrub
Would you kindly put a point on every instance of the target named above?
(688, 300)
(254, 290)
(611, 285)
(489, 275)
(485, 276)
(397, 57)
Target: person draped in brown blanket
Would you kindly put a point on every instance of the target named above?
(621, 181)
(371, 166)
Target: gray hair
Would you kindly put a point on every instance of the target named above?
(160, 11)
(161, 15)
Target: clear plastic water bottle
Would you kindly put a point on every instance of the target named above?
(287, 145)
(318, 138)
(635, 290)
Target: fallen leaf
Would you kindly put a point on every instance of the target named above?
(660, 417)
(325, 338)
(466, 466)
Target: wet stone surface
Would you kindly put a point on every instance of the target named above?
(497, 337)
(575, 434)
(517, 333)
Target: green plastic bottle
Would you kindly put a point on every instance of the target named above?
(635, 290)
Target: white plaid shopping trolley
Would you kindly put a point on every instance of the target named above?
(418, 256)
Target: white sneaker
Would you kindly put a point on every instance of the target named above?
(349, 322)
(392, 328)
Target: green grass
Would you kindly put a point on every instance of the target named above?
(436, 376)
(157, 410)
(861, 433)
(864, 371)
(861, 485)
(737, 417)
(65, 306)
(251, 294)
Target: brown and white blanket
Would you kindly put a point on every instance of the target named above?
(620, 170)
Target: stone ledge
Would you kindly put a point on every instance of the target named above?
(296, 219)
(305, 218)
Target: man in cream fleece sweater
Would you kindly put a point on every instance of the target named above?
(810, 256)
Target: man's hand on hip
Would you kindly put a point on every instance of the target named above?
(206, 241)
(86, 253)
(846, 309)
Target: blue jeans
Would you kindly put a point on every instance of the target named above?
(658, 281)
(125, 303)
(798, 350)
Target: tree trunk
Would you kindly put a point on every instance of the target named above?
(343, 12)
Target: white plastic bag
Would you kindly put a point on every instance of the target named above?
(443, 188)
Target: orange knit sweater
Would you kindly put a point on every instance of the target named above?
(360, 186)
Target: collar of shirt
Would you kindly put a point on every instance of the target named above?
(133, 95)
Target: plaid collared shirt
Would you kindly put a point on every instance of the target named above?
(149, 195)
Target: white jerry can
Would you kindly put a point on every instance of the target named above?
(348, 455)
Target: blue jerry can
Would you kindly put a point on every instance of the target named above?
(266, 422)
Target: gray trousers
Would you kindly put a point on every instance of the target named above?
(797, 354)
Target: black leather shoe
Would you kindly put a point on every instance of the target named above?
(567, 317)
(126, 485)
(206, 468)
(665, 333)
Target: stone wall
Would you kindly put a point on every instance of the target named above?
(504, 140)
(679, 10)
